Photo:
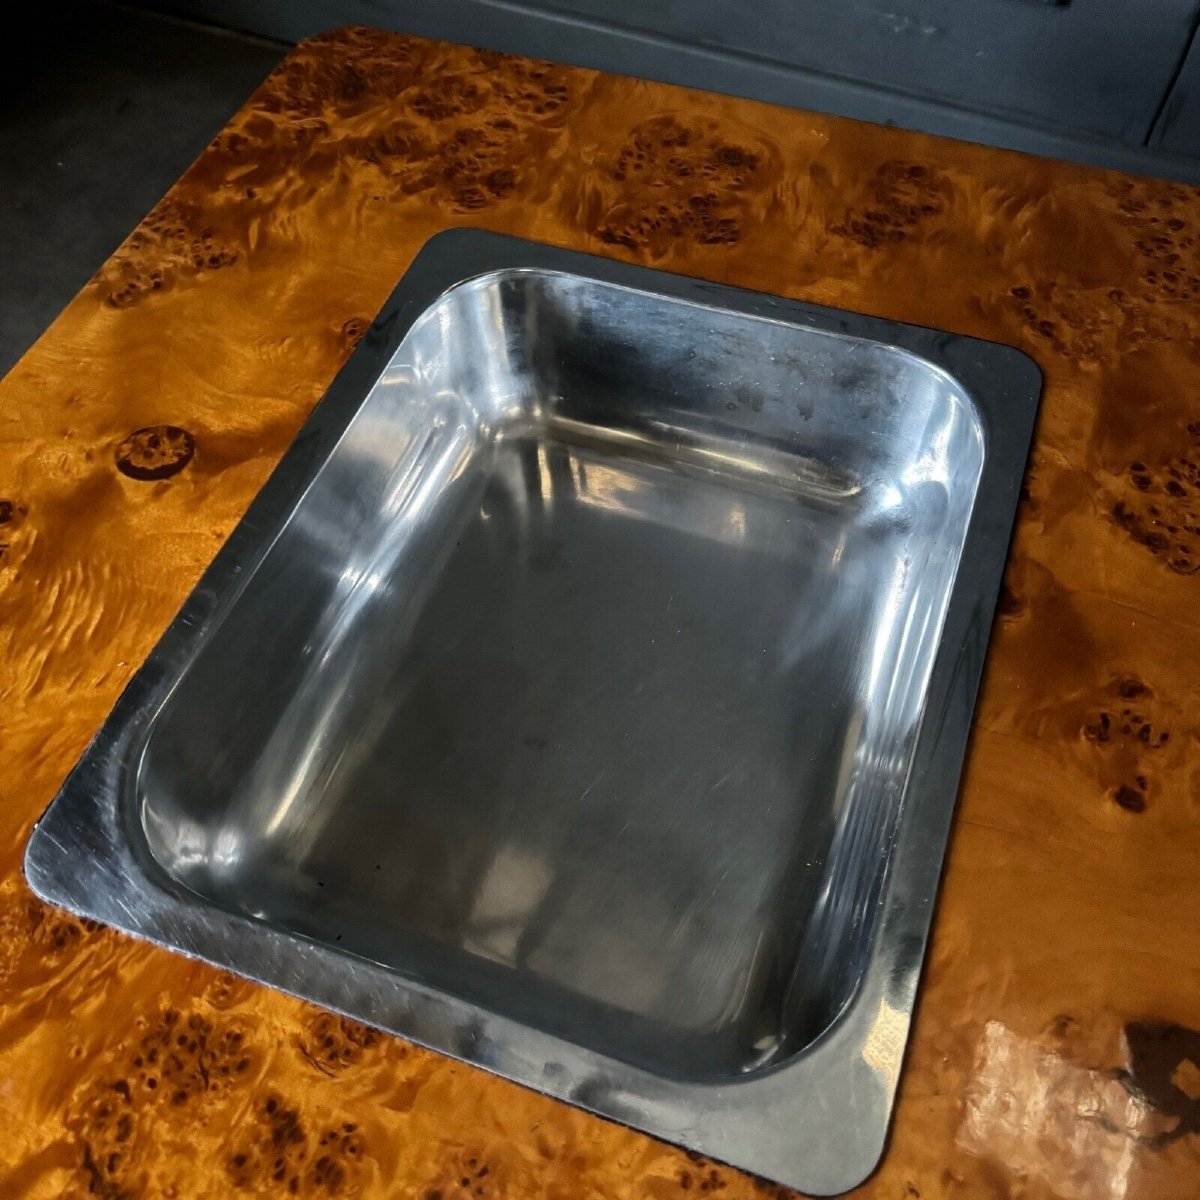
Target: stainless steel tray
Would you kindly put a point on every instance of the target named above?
(584, 696)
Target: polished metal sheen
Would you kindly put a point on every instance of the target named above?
(585, 695)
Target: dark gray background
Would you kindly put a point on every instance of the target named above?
(100, 111)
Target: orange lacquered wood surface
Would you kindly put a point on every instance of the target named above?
(1055, 1052)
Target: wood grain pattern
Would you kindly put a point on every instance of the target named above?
(1056, 1051)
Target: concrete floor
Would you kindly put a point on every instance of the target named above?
(99, 114)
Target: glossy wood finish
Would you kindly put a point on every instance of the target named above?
(1057, 1047)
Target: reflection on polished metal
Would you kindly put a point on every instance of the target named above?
(585, 696)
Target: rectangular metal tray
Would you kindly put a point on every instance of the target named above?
(585, 695)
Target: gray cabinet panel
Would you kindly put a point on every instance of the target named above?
(1178, 128)
(1096, 65)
